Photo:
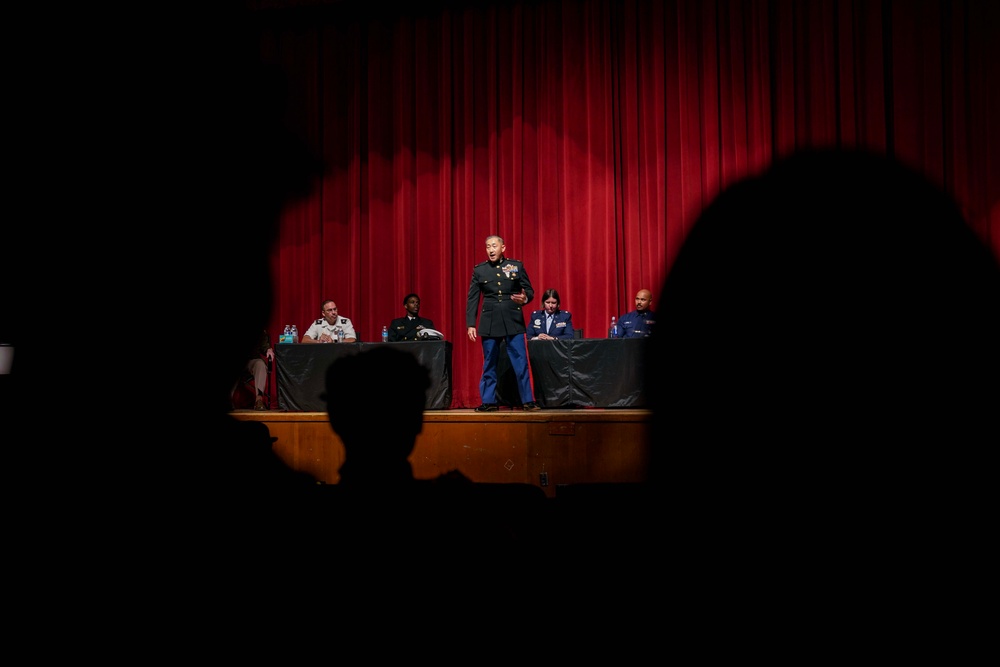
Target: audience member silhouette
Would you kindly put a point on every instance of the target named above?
(167, 500)
(381, 504)
(824, 379)
(377, 451)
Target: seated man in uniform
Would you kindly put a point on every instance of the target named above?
(639, 322)
(408, 326)
(326, 328)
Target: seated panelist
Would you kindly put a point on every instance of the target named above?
(409, 326)
(550, 323)
(327, 328)
(638, 323)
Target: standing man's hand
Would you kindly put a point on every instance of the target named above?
(472, 334)
(520, 299)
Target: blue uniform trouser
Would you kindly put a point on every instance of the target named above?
(517, 350)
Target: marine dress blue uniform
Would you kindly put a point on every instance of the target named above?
(500, 319)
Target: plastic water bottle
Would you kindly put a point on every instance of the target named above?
(340, 335)
(295, 334)
(385, 334)
(613, 329)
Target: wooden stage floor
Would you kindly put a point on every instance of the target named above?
(547, 448)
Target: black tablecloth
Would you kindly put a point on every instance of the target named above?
(580, 373)
(301, 370)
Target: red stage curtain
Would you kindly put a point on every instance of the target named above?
(590, 134)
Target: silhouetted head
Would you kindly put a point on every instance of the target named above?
(822, 324)
(822, 379)
(391, 382)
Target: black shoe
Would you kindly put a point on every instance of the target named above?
(531, 406)
(487, 407)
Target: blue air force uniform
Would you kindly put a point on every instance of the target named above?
(636, 324)
(493, 283)
(562, 324)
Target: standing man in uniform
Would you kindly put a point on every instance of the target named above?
(505, 289)
(324, 330)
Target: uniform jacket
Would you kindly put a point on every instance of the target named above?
(493, 283)
(636, 324)
(403, 328)
(321, 326)
(562, 324)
